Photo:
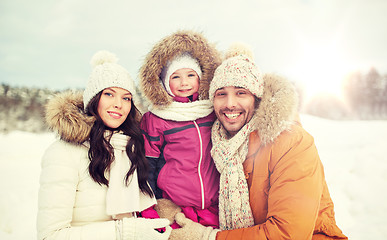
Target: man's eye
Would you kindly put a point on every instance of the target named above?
(241, 92)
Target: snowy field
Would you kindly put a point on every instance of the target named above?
(354, 154)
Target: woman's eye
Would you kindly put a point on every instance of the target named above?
(127, 99)
(108, 94)
(175, 77)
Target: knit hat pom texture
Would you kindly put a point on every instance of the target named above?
(102, 57)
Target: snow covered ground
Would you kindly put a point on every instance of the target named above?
(354, 154)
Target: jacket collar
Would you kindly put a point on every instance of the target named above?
(278, 109)
(65, 116)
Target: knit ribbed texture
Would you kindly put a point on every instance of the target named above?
(106, 73)
(238, 71)
(178, 111)
(121, 197)
(229, 155)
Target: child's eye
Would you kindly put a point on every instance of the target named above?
(175, 77)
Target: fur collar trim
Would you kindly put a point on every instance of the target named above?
(65, 116)
(166, 49)
(278, 109)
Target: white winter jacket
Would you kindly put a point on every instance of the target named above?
(71, 204)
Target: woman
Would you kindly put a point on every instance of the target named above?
(93, 183)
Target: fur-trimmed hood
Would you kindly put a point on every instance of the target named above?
(278, 109)
(65, 116)
(166, 49)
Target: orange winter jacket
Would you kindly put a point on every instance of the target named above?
(289, 197)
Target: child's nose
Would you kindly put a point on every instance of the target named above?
(184, 80)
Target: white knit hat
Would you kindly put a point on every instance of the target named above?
(106, 73)
(184, 60)
(238, 70)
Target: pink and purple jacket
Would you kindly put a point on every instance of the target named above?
(189, 177)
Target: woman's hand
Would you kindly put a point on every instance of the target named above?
(122, 215)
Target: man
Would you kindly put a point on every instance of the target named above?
(272, 183)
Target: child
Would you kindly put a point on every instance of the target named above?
(175, 80)
(93, 183)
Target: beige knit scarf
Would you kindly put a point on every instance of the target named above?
(229, 155)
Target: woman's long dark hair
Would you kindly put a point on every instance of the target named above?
(101, 152)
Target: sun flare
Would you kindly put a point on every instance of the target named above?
(321, 69)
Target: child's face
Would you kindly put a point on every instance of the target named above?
(184, 82)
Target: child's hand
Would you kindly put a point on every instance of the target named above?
(167, 209)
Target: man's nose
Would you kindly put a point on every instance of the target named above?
(231, 101)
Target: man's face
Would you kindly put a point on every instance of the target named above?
(234, 107)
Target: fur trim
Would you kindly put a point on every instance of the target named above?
(65, 116)
(278, 109)
(166, 49)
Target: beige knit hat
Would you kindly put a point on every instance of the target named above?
(238, 70)
(106, 73)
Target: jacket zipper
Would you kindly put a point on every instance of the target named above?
(200, 163)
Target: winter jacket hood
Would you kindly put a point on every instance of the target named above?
(278, 109)
(168, 48)
(65, 116)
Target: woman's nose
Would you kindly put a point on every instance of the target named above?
(117, 103)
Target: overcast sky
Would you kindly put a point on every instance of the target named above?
(45, 43)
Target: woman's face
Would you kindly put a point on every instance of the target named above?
(114, 106)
